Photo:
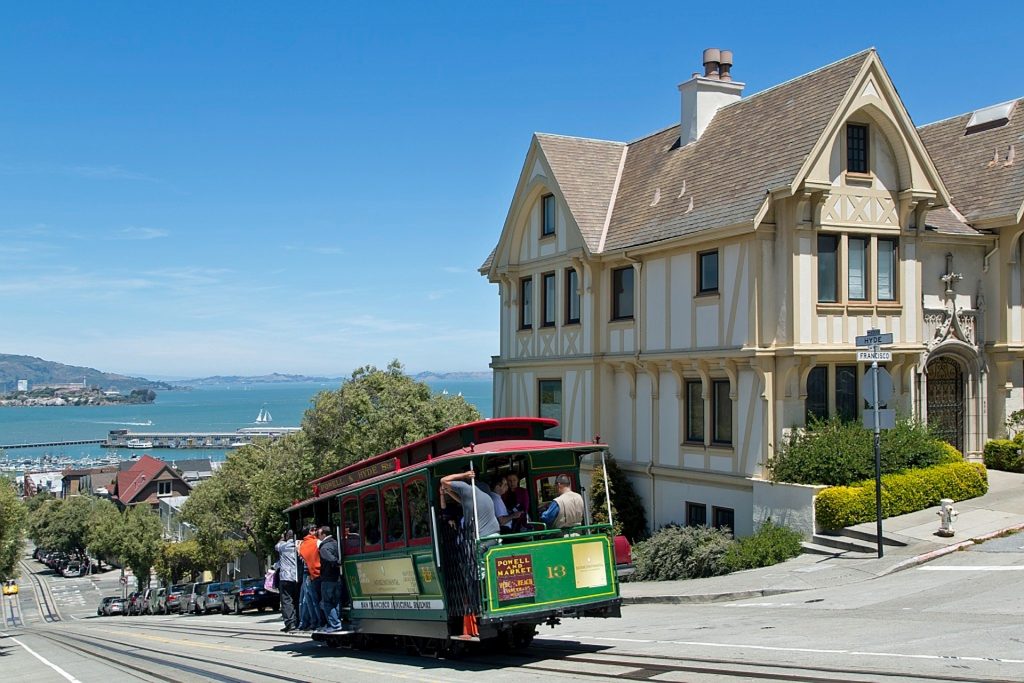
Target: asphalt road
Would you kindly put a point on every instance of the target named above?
(958, 619)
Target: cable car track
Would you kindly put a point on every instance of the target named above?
(11, 608)
(47, 609)
(116, 653)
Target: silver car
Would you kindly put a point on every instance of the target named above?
(211, 598)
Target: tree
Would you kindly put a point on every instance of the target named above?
(105, 537)
(630, 517)
(141, 541)
(372, 412)
(13, 516)
(177, 561)
(66, 524)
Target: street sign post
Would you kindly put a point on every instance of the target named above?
(874, 339)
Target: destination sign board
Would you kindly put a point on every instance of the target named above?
(873, 339)
(871, 356)
(368, 472)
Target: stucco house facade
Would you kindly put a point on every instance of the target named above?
(691, 296)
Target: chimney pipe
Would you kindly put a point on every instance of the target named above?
(711, 59)
(725, 62)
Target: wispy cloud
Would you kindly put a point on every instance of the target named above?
(455, 270)
(134, 233)
(325, 250)
(91, 172)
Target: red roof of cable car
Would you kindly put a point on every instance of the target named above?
(487, 447)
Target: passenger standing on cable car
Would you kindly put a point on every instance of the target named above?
(506, 518)
(288, 579)
(330, 579)
(566, 510)
(455, 484)
(310, 618)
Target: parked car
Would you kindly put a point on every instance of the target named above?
(10, 587)
(72, 569)
(174, 600)
(191, 599)
(623, 557)
(136, 604)
(111, 606)
(157, 601)
(250, 594)
(211, 598)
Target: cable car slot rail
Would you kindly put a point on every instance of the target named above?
(44, 601)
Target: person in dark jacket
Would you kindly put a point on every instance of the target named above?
(330, 579)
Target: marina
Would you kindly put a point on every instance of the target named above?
(122, 438)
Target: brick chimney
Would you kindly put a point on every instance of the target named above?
(702, 96)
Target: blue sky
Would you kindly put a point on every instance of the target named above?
(196, 188)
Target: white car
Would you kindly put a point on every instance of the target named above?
(72, 570)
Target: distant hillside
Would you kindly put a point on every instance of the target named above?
(479, 376)
(38, 371)
(273, 378)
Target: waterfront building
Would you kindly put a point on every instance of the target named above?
(691, 296)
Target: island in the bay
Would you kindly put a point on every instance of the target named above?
(32, 381)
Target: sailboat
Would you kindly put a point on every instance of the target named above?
(264, 416)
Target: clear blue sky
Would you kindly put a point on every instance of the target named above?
(193, 188)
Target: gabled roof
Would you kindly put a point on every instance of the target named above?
(949, 221)
(130, 482)
(585, 171)
(974, 167)
(751, 147)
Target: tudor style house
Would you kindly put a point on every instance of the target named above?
(693, 295)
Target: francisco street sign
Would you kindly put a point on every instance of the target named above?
(870, 356)
(875, 338)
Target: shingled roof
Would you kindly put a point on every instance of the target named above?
(982, 176)
(750, 147)
(585, 171)
(130, 482)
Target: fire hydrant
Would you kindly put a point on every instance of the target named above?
(946, 515)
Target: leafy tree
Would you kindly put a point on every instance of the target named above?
(13, 516)
(141, 541)
(105, 537)
(178, 561)
(69, 525)
(628, 510)
(372, 412)
(36, 501)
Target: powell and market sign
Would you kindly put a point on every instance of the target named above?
(374, 470)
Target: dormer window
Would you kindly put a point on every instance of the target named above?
(856, 148)
(548, 220)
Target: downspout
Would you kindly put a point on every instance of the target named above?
(654, 505)
(988, 256)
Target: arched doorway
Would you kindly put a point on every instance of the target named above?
(946, 400)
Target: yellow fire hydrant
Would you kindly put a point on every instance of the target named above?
(947, 515)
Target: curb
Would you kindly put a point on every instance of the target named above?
(705, 598)
(934, 554)
(730, 596)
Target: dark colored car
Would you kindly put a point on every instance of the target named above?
(250, 594)
(175, 599)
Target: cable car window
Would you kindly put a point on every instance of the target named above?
(352, 537)
(371, 522)
(544, 487)
(419, 515)
(394, 516)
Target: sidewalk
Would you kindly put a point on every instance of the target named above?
(999, 511)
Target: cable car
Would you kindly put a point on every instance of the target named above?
(421, 574)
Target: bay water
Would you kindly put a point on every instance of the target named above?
(203, 409)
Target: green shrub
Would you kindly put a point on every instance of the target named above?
(770, 545)
(950, 453)
(842, 506)
(680, 552)
(839, 453)
(1005, 455)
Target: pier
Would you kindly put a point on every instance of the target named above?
(122, 438)
(81, 442)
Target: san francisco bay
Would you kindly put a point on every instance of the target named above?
(207, 409)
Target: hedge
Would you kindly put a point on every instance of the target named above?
(1005, 455)
(910, 491)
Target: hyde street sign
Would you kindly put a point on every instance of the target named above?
(874, 339)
